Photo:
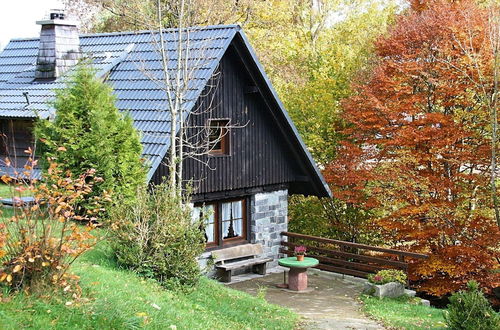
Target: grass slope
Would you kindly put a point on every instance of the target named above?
(119, 299)
(403, 313)
(7, 191)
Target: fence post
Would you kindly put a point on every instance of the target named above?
(402, 259)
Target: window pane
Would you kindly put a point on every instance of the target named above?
(238, 227)
(209, 223)
(237, 209)
(218, 137)
(207, 214)
(226, 211)
(209, 233)
(232, 219)
(232, 228)
(225, 229)
(195, 214)
(215, 138)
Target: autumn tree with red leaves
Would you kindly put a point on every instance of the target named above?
(418, 144)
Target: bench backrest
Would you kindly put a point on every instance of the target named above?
(236, 252)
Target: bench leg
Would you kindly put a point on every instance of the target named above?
(224, 275)
(260, 269)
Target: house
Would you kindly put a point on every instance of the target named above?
(251, 170)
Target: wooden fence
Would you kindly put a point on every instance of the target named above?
(346, 257)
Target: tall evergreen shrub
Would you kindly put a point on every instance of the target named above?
(89, 132)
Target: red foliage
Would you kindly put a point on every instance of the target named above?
(350, 176)
(418, 144)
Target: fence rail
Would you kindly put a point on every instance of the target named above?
(346, 257)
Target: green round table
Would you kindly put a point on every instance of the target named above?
(297, 276)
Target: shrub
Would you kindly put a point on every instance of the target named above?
(470, 310)
(89, 132)
(39, 241)
(387, 276)
(157, 237)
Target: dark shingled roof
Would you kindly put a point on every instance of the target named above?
(128, 60)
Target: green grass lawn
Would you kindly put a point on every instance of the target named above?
(403, 313)
(119, 299)
(6, 191)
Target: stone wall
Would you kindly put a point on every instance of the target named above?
(269, 217)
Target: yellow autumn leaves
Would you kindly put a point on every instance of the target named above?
(8, 277)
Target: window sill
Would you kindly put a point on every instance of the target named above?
(218, 155)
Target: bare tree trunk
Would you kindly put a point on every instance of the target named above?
(494, 138)
(495, 38)
(177, 149)
(172, 167)
(175, 84)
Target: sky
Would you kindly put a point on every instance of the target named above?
(18, 18)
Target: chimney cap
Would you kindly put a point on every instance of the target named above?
(56, 17)
(57, 14)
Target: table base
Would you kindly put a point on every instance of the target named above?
(297, 279)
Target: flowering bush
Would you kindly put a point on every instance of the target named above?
(300, 250)
(40, 241)
(387, 276)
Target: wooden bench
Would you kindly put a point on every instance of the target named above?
(237, 257)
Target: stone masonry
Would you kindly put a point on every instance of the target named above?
(59, 48)
(269, 217)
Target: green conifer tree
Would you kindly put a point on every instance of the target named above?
(89, 132)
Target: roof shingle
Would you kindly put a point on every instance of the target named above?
(130, 59)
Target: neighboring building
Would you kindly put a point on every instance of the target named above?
(252, 170)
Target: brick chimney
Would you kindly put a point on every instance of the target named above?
(59, 47)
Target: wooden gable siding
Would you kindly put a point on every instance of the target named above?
(259, 156)
(16, 137)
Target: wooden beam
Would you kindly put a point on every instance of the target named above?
(339, 262)
(343, 270)
(355, 245)
(347, 255)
